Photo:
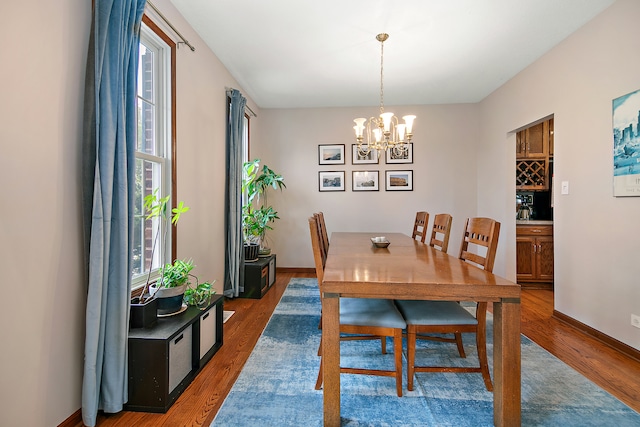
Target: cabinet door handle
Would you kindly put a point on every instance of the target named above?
(179, 339)
(205, 316)
(535, 248)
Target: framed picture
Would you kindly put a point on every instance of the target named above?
(626, 145)
(331, 180)
(399, 180)
(365, 180)
(358, 159)
(405, 157)
(331, 154)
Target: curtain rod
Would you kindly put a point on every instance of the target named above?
(171, 25)
(246, 107)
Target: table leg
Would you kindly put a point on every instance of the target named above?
(506, 363)
(331, 358)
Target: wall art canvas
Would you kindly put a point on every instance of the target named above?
(626, 145)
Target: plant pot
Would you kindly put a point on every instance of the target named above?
(143, 315)
(251, 252)
(264, 251)
(169, 299)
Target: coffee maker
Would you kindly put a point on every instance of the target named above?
(524, 206)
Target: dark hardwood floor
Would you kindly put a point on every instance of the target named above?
(197, 406)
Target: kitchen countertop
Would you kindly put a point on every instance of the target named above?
(533, 222)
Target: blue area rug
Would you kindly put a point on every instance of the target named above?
(276, 386)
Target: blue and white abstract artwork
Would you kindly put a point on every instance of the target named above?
(626, 145)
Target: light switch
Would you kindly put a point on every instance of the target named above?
(565, 187)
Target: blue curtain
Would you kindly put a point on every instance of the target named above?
(234, 254)
(108, 186)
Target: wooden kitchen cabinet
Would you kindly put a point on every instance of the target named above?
(533, 146)
(534, 254)
(533, 142)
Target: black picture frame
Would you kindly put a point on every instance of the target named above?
(331, 154)
(399, 180)
(365, 180)
(331, 181)
(392, 158)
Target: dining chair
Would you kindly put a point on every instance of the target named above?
(362, 319)
(442, 317)
(420, 225)
(440, 240)
(440, 232)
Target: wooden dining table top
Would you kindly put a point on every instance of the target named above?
(409, 269)
(406, 268)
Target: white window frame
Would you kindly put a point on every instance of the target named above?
(163, 149)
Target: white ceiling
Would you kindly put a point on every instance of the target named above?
(323, 53)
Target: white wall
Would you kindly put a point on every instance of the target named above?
(43, 55)
(444, 174)
(597, 273)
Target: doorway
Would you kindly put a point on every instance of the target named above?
(534, 205)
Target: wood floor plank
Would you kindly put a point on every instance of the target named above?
(197, 406)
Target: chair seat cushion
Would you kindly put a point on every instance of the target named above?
(435, 313)
(370, 312)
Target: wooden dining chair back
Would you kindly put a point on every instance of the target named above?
(440, 232)
(482, 235)
(362, 319)
(323, 231)
(323, 249)
(449, 317)
(420, 225)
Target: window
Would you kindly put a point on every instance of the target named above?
(154, 165)
(245, 139)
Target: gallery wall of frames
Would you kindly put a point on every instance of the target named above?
(367, 170)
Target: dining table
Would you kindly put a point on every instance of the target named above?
(409, 269)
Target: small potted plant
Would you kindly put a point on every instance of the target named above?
(170, 288)
(200, 295)
(256, 214)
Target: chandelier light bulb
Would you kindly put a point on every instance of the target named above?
(359, 127)
(400, 130)
(408, 120)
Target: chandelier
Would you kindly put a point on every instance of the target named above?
(384, 132)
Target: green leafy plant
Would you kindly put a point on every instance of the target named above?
(256, 222)
(176, 274)
(200, 295)
(256, 214)
(158, 208)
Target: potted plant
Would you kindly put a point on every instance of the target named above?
(200, 295)
(144, 309)
(256, 214)
(170, 288)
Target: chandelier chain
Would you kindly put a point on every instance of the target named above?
(381, 77)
